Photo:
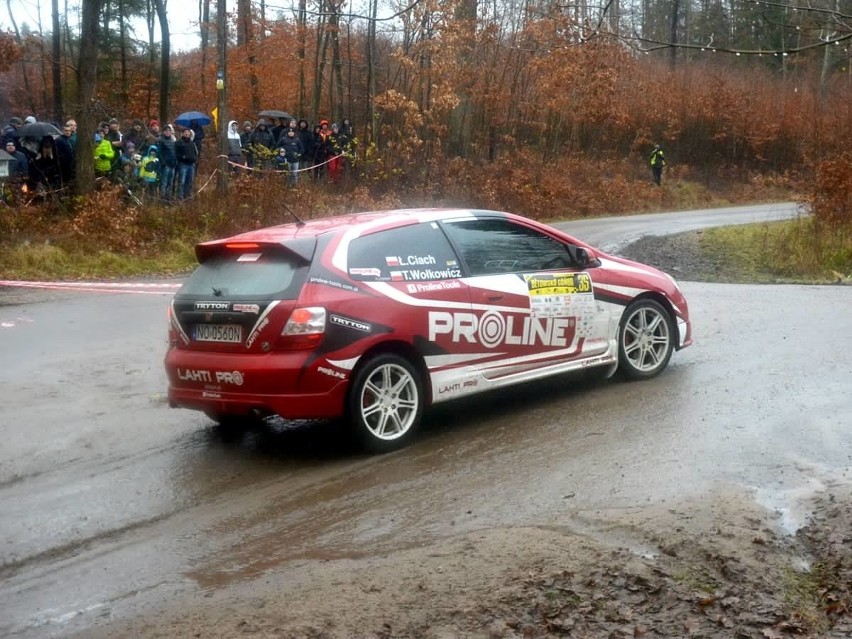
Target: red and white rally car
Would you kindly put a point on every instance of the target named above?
(376, 316)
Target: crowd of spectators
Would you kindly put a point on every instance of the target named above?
(162, 163)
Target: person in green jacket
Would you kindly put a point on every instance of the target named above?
(104, 154)
(149, 171)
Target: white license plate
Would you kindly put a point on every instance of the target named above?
(231, 333)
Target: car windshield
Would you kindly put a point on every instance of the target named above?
(259, 274)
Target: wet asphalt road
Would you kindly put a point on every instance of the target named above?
(111, 503)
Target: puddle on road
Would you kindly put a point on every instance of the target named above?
(790, 505)
(794, 503)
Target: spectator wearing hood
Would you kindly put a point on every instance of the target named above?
(168, 162)
(104, 155)
(306, 136)
(262, 142)
(245, 141)
(278, 129)
(136, 135)
(114, 134)
(45, 173)
(10, 132)
(197, 134)
(151, 136)
(319, 150)
(149, 171)
(235, 146)
(129, 162)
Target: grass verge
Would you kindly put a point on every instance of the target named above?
(790, 251)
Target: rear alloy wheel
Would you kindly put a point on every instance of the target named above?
(385, 403)
(646, 339)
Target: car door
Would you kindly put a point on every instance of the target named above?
(417, 276)
(534, 307)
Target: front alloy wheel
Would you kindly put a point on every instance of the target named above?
(385, 402)
(646, 339)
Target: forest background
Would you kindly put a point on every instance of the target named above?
(545, 109)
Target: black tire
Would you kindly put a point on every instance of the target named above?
(646, 339)
(386, 402)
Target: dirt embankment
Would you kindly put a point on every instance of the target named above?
(717, 568)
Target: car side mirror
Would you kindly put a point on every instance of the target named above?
(582, 257)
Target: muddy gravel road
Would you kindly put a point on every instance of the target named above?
(122, 517)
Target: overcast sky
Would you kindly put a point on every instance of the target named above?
(183, 18)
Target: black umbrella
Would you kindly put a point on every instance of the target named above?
(273, 113)
(38, 130)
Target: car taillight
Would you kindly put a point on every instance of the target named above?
(172, 334)
(304, 329)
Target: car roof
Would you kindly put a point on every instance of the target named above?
(354, 221)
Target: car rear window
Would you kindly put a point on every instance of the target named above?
(260, 273)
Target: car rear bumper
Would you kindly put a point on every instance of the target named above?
(236, 384)
(323, 406)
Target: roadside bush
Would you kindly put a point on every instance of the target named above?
(830, 198)
(109, 232)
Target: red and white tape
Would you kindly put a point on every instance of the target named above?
(143, 288)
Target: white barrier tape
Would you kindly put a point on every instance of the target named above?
(98, 287)
(271, 170)
(93, 284)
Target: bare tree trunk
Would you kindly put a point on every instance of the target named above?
(45, 100)
(57, 64)
(302, 26)
(319, 62)
(122, 51)
(460, 135)
(826, 56)
(369, 116)
(164, 60)
(70, 56)
(245, 37)
(426, 62)
(673, 36)
(150, 17)
(347, 112)
(336, 62)
(222, 93)
(87, 77)
(204, 19)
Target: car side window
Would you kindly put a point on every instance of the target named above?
(492, 246)
(415, 253)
